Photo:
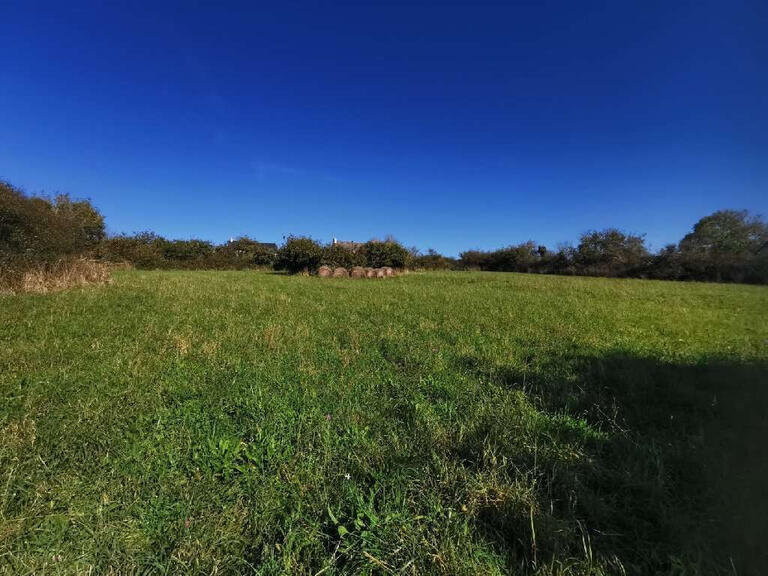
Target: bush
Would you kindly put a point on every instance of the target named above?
(188, 253)
(433, 260)
(525, 257)
(143, 250)
(666, 264)
(38, 233)
(337, 255)
(244, 252)
(147, 250)
(299, 254)
(474, 260)
(43, 229)
(389, 253)
(520, 258)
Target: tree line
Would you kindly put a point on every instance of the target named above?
(727, 246)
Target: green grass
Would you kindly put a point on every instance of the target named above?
(458, 423)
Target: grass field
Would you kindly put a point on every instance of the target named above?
(458, 423)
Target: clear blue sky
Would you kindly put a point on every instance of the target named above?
(449, 126)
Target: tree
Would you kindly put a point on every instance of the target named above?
(726, 232)
(611, 252)
(299, 254)
(666, 264)
(520, 258)
(474, 260)
(723, 245)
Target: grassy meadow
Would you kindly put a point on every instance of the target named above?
(446, 423)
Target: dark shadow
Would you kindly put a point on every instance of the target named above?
(678, 469)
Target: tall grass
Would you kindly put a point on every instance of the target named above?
(53, 276)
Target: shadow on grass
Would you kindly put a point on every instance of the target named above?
(677, 476)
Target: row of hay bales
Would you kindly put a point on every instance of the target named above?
(356, 272)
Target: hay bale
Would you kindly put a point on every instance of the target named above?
(325, 272)
(370, 272)
(357, 272)
(389, 271)
(380, 273)
(340, 272)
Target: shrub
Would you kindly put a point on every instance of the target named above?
(560, 262)
(148, 250)
(188, 253)
(299, 254)
(474, 260)
(38, 233)
(433, 260)
(244, 252)
(667, 264)
(520, 258)
(337, 255)
(143, 250)
(524, 257)
(44, 229)
(388, 253)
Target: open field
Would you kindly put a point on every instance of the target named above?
(459, 423)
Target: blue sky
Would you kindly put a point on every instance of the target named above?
(450, 126)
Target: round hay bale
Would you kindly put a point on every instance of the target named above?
(389, 271)
(340, 272)
(325, 272)
(380, 273)
(370, 272)
(357, 272)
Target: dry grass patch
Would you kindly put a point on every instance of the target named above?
(56, 276)
(19, 434)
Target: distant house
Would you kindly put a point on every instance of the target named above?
(352, 246)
